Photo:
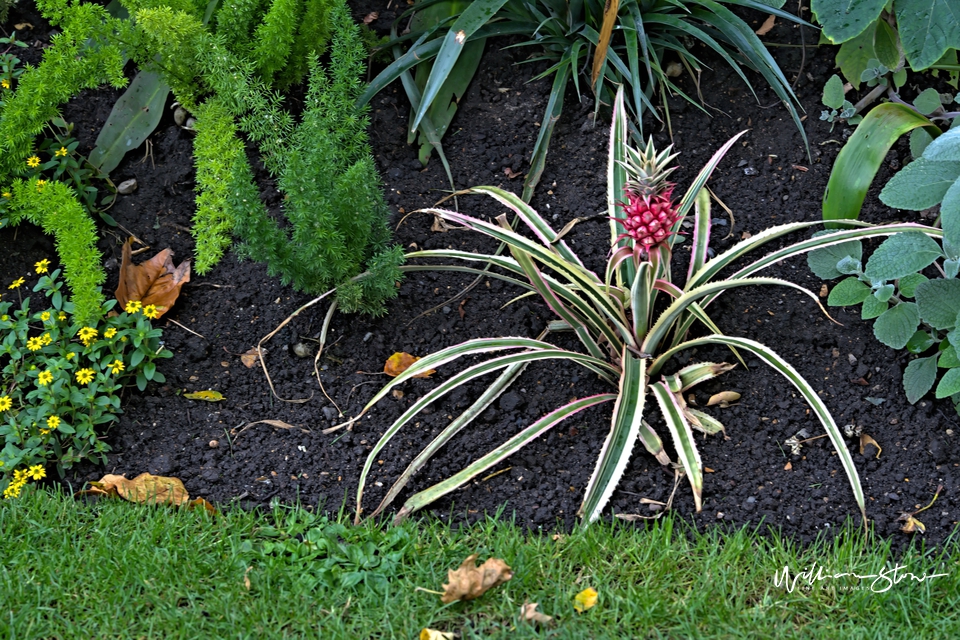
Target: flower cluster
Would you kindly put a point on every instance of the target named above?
(60, 379)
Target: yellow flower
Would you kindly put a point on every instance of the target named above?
(151, 312)
(44, 432)
(40, 184)
(70, 354)
(5, 83)
(109, 333)
(53, 422)
(132, 306)
(87, 335)
(35, 344)
(45, 316)
(33, 162)
(42, 266)
(5, 403)
(16, 284)
(62, 151)
(6, 194)
(44, 378)
(4, 318)
(84, 376)
(37, 472)
(61, 316)
(46, 339)
(116, 366)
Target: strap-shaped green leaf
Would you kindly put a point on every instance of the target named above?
(624, 428)
(499, 454)
(767, 354)
(134, 117)
(475, 16)
(860, 159)
(672, 409)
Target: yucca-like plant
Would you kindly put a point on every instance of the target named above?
(625, 342)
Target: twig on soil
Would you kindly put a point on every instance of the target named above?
(725, 208)
(184, 328)
(135, 239)
(316, 359)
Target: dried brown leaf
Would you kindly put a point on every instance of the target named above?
(250, 357)
(865, 441)
(510, 173)
(724, 398)
(471, 581)
(529, 613)
(767, 25)
(370, 17)
(155, 281)
(200, 503)
(146, 488)
(400, 362)
(911, 525)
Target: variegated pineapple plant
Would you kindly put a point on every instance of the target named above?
(625, 342)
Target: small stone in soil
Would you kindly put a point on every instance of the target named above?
(329, 413)
(214, 444)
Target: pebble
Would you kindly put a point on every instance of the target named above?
(749, 171)
(214, 444)
(329, 413)
(447, 310)
(127, 186)
(892, 497)
(367, 337)
(302, 350)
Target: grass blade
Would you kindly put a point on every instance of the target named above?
(701, 232)
(606, 30)
(624, 429)
(551, 116)
(499, 454)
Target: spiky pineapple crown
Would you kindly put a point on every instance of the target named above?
(647, 170)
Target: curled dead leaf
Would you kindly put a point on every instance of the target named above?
(471, 581)
(370, 17)
(865, 441)
(510, 173)
(154, 282)
(146, 488)
(200, 503)
(724, 398)
(400, 362)
(250, 357)
(585, 600)
(529, 613)
(767, 25)
(911, 524)
(440, 225)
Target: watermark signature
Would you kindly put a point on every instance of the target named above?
(881, 582)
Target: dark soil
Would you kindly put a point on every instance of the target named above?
(766, 179)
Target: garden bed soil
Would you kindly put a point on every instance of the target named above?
(766, 179)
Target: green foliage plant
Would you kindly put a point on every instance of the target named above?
(624, 341)
(880, 39)
(647, 35)
(10, 68)
(60, 377)
(5, 6)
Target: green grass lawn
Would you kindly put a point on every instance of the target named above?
(118, 570)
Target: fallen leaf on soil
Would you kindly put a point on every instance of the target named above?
(279, 424)
(155, 281)
(529, 613)
(866, 440)
(460, 308)
(433, 634)
(250, 357)
(370, 17)
(585, 600)
(470, 581)
(23, 25)
(911, 525)
(724, 398)
(767, 25)
(510, 173)
(207, 396)
(788, 466)
(440, 225)
(145, 489)
(400, 362)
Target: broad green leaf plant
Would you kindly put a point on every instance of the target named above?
(640, 44)
(624, 341)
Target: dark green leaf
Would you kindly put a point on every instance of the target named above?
(908, 284)
(949, 383)
(848, 292)
(939, 302)
(946, 148)
(948, 357)
(845, 19)
(901, 255)
(872, 307)
(895, 326)
(920, 185)
(920, 342)
(833, 92)
(886, 45)
(927, 29)
(928, 101)
(823, 262)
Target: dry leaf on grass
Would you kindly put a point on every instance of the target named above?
(767, 25)
(200, 503)
(585, 600)
(155, 281)
(529, 613)
(145, 489)
(470, 581)
(206, 396)
(400, 362)
(433, 634)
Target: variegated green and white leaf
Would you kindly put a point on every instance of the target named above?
(672, 409)
(499, 454)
